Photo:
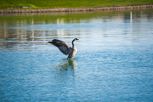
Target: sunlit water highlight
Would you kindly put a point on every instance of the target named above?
(114, 61)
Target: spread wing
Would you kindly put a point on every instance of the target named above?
(61, 45)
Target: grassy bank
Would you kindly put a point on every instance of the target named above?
(37, 4)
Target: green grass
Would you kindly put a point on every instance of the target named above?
(68, 3)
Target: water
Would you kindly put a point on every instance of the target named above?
(114, 61)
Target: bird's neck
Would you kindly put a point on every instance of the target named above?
(73, 43)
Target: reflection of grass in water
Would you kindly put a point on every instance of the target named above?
(64, 17)
(52, 18)
(68, 64)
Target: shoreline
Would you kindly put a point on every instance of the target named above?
(58, 10)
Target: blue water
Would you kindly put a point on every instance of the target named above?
(114, 61)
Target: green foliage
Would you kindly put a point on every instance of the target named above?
(69, 3)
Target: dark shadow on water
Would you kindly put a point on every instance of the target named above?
(67, 64)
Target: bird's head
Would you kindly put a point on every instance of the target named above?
(75, 39)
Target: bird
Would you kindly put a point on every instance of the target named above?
(64, 48)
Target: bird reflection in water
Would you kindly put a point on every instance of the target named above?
(68, 64)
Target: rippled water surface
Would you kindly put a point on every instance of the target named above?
(114, 61)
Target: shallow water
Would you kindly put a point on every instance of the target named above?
(114, 61)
